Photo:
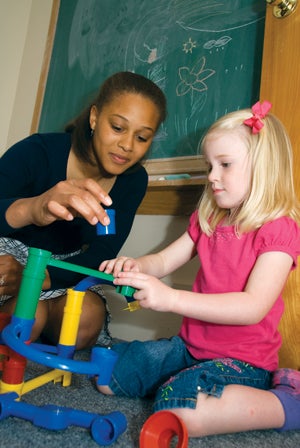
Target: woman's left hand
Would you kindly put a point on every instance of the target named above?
(10, 275)
(151, 292)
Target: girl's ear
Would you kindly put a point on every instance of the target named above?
(93, 117)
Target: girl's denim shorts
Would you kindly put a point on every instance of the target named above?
(164, 369)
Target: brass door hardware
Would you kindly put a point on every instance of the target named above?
(283, 8)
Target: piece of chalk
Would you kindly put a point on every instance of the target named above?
(176, 176)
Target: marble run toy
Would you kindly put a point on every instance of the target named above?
(16, 349)
(104, 428)
(163, 428)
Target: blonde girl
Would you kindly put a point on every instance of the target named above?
(217, 372)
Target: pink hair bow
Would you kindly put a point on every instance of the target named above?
(259, 111)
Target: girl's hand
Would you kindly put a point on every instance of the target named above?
(116, 265)
(151, 292)
(65, 201)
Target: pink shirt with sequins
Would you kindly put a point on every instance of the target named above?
(226, 262)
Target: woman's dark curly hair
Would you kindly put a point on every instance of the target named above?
(115, 85)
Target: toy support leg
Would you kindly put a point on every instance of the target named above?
(159, 430)
(72, 313)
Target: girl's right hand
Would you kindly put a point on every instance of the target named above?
(65, 201)
(119, 264)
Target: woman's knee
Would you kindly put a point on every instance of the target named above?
(41, 317)
(92, 319)
(93, 312)
(9, 306)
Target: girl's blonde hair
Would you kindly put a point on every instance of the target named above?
(271, 193)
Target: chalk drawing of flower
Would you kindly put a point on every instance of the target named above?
(193, 79)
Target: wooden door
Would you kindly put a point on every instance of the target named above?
(280, 84)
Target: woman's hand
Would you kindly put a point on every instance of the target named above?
(10, 275)
(11, 272)
(151, 292)
(65, 201)
(116, 265)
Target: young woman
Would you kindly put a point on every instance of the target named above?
(54, 189)
(216, 374)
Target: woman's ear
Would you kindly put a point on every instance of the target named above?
(93, 117)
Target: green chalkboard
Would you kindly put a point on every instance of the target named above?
(205, 55)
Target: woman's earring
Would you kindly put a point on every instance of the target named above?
(92, 132)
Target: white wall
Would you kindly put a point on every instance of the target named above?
(150, 233)
(23, 34)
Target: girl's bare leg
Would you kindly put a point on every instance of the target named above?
(240, 408)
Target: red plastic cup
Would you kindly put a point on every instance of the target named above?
(159, 430)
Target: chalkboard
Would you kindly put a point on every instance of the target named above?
(205, 55)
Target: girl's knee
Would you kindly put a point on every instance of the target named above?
(193, 418)
(190, 419)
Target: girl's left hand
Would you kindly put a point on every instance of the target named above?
(151, 292)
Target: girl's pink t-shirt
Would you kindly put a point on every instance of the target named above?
(226, 261)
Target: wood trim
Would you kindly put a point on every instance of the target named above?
(190, 165)
(176, 196)
(171, 200)
(280, 81)
(45, 67)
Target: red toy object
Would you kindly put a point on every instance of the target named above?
(11, 363)
(161, 428)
